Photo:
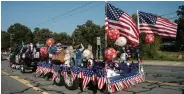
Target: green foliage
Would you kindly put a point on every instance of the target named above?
(5, 40)
(87, 34)
(62, 38)
(134, 16)
(20, 33)
(150, 51)
(180, 31)
(41, 35)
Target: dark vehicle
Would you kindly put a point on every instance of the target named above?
(21, 58)
(28, 59)
(15, 57)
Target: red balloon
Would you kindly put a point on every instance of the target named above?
(113, 34)
(110, 54)
(50, 42)
(43, 52)
(149, 38)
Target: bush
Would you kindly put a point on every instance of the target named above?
(150, 51)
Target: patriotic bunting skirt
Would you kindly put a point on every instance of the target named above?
(98, 75)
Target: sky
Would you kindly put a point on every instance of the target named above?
(32, 13)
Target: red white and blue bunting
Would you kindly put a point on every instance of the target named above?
(94, 74)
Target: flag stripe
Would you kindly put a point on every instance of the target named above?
(124, 29)
(160, 27)
(150, 23)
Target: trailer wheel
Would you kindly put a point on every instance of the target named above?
(69, 84)
(59, 81)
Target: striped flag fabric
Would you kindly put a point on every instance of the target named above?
(150, 23)
(56, 68)
(101, 78)
(47, 68)
(87, 77)
(118, 19)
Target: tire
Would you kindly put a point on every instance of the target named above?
(34, 69)
(22, 68)
(59, 81)
(69, 84)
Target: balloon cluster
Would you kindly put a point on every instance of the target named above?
(110, 54)
(45, 50)
(149, 38)
(50, 42)
(114, 34)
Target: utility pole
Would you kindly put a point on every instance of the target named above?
(11, 39)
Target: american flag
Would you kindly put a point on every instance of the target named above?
(75, 72)
(81, 73)
(56, 68)
(88, 74)
(118, 19)
(47, 68)
(38, 67)
(150, 23)
(65, 70)
(100, 78)
(42, 67)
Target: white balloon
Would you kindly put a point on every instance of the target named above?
(123, 56)
(121, 41)
(86, 53)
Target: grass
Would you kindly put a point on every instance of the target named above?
(171, 56)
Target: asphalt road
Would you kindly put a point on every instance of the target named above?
(159, 80)
(12, 86)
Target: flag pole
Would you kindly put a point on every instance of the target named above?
(105, 32)
(138, 19)
(138, 38)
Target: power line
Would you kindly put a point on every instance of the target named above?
(168, 14)
(64, 14)
(84, 10)
(172, 17)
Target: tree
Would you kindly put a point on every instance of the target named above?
(62, 38)
(41, 35)
(5, 40)
(134, 16)
(87, 33)
(20, 33)
(180, 30)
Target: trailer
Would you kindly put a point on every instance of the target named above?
(110, 77)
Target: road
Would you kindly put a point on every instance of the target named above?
(159, 80)
(11, 86)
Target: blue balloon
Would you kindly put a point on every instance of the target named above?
(52, 49)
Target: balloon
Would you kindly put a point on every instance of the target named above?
(110, 54)
(149, 38)
(113, 34)
(86, 53)
(53, 49)
(43, 52)
(123, 56)
(121, 41)
(50, 42)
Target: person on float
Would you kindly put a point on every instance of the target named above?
(78, 55)
(36, 53)
(30, 50)
(124, 56)
(91, 57)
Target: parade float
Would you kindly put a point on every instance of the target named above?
(111, 74)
